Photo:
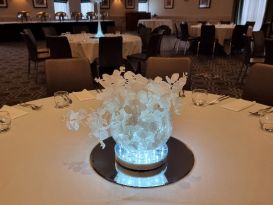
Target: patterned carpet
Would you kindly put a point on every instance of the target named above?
(218, 75)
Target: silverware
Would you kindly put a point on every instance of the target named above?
(217, 100)
(32, 106)
(262, 112)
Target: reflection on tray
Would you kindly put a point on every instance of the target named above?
(152, 178)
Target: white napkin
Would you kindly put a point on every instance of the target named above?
(85, 95)
(238, 105)
(14, 112)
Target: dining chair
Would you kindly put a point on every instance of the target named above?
(70, 74)
(237, 40)
(59, 47)
(269, 51)
(145, 35)
(207, 39)
(248, 59)
(33, 54)
(140, 26)
(184, 28)
(166, 66)
(259, 84)
(49, 31)
(110, 55)
(32, 38)
(153, 50)
(250, 23)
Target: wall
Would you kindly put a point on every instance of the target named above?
(188, 10)
(22, 5)
(117, 8)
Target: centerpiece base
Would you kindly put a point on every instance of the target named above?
(141, 160)
(178, 163)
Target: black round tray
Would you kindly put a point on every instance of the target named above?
(179, 163)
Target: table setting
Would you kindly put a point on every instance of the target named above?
(47, 155)
(222, 31)
(87, 45)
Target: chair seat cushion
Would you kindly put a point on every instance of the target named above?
(256, 60)
(43, 50)
(42, 56)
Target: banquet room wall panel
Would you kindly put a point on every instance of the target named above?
(117, 8)
(9, 14)
(189, 11)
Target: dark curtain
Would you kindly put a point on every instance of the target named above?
(85, 1)
(268, 12)
(142, 1)
(237, 11)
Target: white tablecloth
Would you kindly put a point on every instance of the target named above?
(42, 162)
(83, 45)
(154, 23)
(222, 31)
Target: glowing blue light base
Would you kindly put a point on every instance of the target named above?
(142, 182)
(143, 159)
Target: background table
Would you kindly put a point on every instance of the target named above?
(10, 31)
(222, 31)
(83, 45)
(42, 162)
(154, 23)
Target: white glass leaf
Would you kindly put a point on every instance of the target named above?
(174, 77)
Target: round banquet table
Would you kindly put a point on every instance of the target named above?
(85, 45)
(42, 162)
(222, 31)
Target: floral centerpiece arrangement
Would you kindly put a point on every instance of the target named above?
(136, 112)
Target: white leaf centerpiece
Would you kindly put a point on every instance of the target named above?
(136, 112)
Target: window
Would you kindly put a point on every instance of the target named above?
(143, 5)
(86, 7)
(62, 6)
(253, 11)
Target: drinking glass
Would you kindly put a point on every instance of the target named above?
(266, 122)
(61, 99)
(199, 97)
(5, 121)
